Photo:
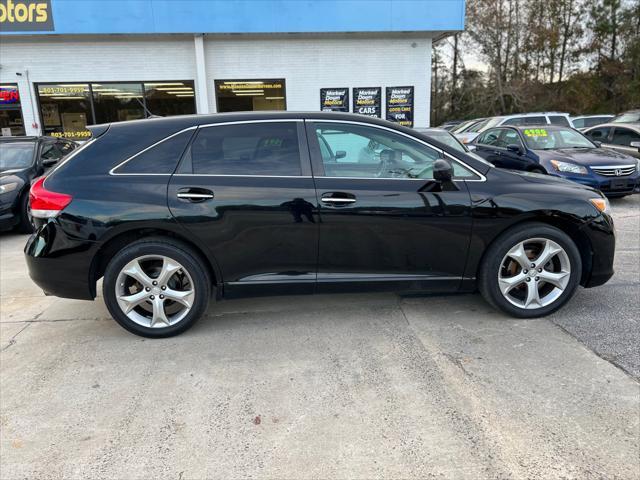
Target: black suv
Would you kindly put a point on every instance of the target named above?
(22, 159)
(170, 210)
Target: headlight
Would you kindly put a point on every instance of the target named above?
(8, 187)
(601, 204)
(568, 167)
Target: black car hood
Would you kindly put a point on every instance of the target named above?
(587, 156)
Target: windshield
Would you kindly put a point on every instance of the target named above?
(478, 126)
(463, 126)
(15, 155)
(545, 139)
(447, 139)
(630, 117)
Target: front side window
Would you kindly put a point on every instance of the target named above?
(599, 134)
(490, 137)
(510, 137)
(14, 155)
(264, 148)
(624, 137)
(369, 152)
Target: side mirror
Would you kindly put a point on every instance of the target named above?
(635, 144)
(49, 162)
(515, 149)
(340, 154)
(442, 171)
(597, 143)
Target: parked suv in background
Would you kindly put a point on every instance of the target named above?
(520, 119)
(169, 210)
(625, 138)
(632, 116)
(23, 159)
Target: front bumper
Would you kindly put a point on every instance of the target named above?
(60, 265)
(8, 216)
(610, 186)
(602, 237)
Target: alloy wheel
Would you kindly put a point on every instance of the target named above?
(155, 291)
(534, 273)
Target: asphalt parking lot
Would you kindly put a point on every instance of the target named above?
(359, 386)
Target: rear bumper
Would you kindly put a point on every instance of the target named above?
(60, 265)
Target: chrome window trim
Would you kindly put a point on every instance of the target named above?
(113, 172)
(481, 178)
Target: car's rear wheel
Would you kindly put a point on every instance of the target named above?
(530, 271)
(156, 288)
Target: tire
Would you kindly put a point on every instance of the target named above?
(24, 225)
(501, 271)
(156, 315)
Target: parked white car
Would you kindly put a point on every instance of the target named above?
(538, 118)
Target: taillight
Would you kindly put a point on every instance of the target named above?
(45, 203)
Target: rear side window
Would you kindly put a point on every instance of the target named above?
(624, 136)
(514, 121)
(160, 158)
(559, 120)
(268, 148)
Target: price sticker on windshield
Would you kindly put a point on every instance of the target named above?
(535, 132)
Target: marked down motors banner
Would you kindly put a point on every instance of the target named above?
(334, 99)
(400, 105)
(368, 101)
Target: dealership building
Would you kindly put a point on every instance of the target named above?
(66, 64)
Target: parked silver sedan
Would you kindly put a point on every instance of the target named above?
(624, 138)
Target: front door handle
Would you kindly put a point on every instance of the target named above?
(193, 194)
(338, 198)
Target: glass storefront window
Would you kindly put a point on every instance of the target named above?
(165, 99)
(11, 122)
(117, 102)
(248, 95)
(66, 110)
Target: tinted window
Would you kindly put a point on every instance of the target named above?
(15, 155)
(52, 151)
(247, 149)
(580, 122)
(369, 152)
(514, 121)
(162, 158)
(624, 136)
(510, 137)
(559, 120)
(490, 137)
(593, 121)
(599, 134)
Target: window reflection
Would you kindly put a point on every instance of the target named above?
(118, 102)
(165, 99)
(66, 110)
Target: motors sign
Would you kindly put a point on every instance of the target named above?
(26, 16)
(400, 105)
(334, 99)
(368, 101)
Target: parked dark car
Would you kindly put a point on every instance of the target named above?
(562, 152)
(170, 210)
(625, 138)
(21, 160)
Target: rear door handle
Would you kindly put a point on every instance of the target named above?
(193, 194)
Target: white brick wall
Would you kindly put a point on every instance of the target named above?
(310, 63)
(307, 63)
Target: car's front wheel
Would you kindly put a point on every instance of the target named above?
(156, 288)
(530, 271)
